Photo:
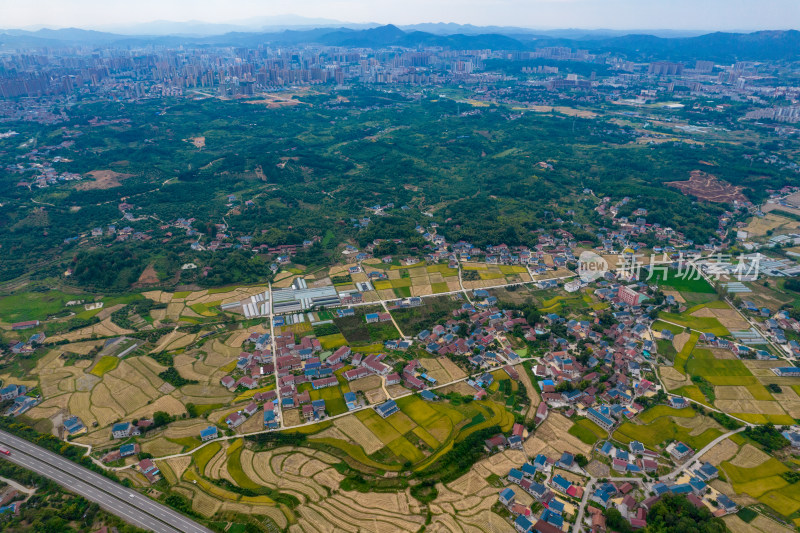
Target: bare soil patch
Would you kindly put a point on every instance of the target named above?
(149, 276)
(708, 187)
(102, 179)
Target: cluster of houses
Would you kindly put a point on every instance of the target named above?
(776, 326)
(29, 346)
(552, 490)
(635, 460)
(474, 336)
(21, 402)
(694, 484)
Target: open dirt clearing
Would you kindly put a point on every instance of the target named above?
(103, 179)
(708, 187)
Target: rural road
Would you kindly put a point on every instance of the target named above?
(126, 503)
(675, 473)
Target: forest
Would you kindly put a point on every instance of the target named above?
(284, 175)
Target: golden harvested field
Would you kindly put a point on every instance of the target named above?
(161, 446)
(680, 340)
(365, 384)
(435, 370)
(138, 376)
(723, 451)
(177, 465)
(789, 400)
(675, 294)
(50, 407)
(180, 341)
(760, 524)
(762, 407)
(729, 318)
(770, 222)
(185, 428)
(355, 430)
(80, 404)
(531, 390)
(461, 388)
(501, 463)
(104, 405)
(749, 457)
(452, 369)
(672, 378)
(555, 431)
(167, 404)
(732, 392)
(184, 364)
(104, 328)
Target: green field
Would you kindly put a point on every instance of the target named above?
(403, 448)
(785, 500)
(202, 456)
(442, 269)
(22, 306)
(234, 465)
(683, 355)
(664, 410)
(765, 483)
(402, 292)
(684, 283)
(693, 392)
(700, 323)
(703, 324)
(587, 431)
(439, 287)
(379, 426)
(661, 430)
(331, 342)
(659, 325)
(105, 364)
(334, 399)
(718, 371)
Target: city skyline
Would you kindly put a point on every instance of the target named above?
(709, 15)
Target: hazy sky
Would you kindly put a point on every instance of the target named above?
(615, 14)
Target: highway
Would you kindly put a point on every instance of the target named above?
(126, 503)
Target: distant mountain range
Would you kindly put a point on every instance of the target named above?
(722, 47)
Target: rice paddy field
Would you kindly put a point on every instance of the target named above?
(754, 475)
(716, 377)
(658, 428)
(419, 432)
(587, 431)
(482, 275)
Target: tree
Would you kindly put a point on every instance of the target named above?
(616, 522)
(581, 460)
(675, 514)
(161, 418)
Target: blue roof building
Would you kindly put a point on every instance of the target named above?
(386, 409)
(507, 496)
(209, 433)
(522, 523)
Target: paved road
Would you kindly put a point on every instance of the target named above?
(126, 503)
(697, 455)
